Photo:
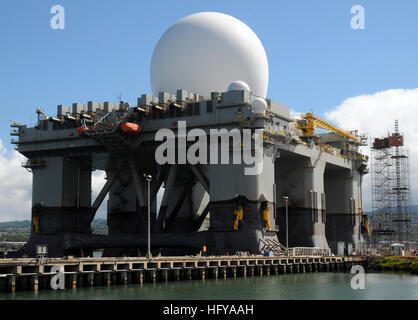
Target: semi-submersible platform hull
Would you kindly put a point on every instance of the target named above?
(209, 203)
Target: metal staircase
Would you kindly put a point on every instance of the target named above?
(273, 245)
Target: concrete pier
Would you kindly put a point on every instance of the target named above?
(251, 271)
(31, 274)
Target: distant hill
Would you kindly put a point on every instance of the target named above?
(14, 224)
(414, 210)
(413, 225)
(99, 226)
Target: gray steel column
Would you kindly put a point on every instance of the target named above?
(138, 186)
(287, 224)
(149, 178)
(200, 177)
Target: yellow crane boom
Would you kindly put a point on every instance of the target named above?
(310, 122)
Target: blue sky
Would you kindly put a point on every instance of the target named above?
(316, 60)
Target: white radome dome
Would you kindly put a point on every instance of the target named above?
(238, 86)
(205, 52)
(259, 105)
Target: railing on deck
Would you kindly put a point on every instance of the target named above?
(308, 251)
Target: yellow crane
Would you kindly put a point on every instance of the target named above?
(310, 122)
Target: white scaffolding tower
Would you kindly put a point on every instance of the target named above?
(391, 198)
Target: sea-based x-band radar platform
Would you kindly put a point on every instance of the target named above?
(308, 192)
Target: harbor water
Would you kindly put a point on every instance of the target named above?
(305, 286)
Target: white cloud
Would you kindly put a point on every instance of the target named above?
(375, 115)
(295, 114)
(15, 186)
(97, 183)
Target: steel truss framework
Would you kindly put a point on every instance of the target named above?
(391, 198)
